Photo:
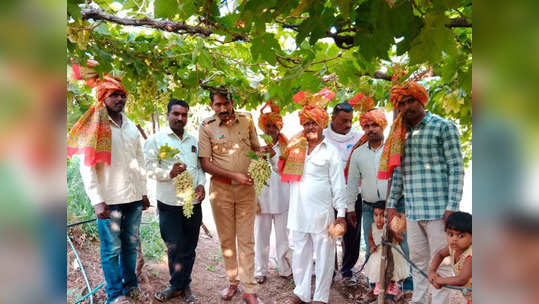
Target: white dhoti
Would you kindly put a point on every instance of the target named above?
(262, 243)
(306, 246)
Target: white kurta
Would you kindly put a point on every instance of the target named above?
(274, 197)
(320, 189)
(343, 142)
(124, 181)
(274, 209)
(312, 202)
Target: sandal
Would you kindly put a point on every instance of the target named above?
(134, 293)
(349, 281)
(189, 297)
(260, 279)
(167, 294)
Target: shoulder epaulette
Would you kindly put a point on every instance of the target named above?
(208, 121)
(245, 114)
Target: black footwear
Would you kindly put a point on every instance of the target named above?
(349, 281)
(189, 297)
(167, 294)
(133, 293)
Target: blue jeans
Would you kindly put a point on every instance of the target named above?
(119, 238)
(367, 220)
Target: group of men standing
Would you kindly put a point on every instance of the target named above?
(306, 193)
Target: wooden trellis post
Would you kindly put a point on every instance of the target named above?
(383, 265)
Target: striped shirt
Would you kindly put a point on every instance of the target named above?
(432, 175)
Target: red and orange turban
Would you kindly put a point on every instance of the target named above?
(378, 116)
(412, 88)
(292, 161)
(91, 135)
(361, 103)
(391, 155)
(107, 86)
(273, 116)
(320, 116)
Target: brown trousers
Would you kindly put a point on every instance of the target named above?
(234, 211)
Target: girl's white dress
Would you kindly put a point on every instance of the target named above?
(372, 268)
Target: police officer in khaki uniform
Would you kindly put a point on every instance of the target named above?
(224, 141)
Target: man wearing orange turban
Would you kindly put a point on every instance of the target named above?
(273, 202)
(112, 170)
(314, 169)
(424, 151)
(318, 115)
(363, 167)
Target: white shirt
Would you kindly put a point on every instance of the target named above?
(363, 170)
(275, 197)
(343, 142)
(124, 181)
(165, 190)
(320, 190)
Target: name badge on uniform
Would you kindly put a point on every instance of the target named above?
(219, 136)
(193, 149)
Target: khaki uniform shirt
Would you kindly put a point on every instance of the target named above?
(227, 145)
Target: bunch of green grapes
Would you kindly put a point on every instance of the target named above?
(260, 172)
(166, 152)
(79, 33)
(184, 190)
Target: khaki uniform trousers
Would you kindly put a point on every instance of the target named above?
(234, 211)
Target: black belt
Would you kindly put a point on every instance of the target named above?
(372, 204)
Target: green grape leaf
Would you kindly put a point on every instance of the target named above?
(252, 155)
(267, 138)
(165, 8)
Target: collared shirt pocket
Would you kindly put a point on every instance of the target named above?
(220, 146)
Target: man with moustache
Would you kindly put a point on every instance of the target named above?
(363, 169)
(179, 233)
(424, 151)
(273, 202)
(112, 171)
(340, 134)
(224, 141)
(314, 170)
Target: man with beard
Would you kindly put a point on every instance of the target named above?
(340, 134)
(224, 141)
(430, 178)
(112, 171)
(314, 170)
(179, 233)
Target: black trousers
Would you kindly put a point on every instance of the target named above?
(351, 242)
(180, 234)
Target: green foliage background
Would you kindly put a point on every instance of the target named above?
(273, 49)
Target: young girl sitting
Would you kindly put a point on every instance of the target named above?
(372, 268)
(458, 229)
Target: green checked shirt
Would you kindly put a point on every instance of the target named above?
(432, 174)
